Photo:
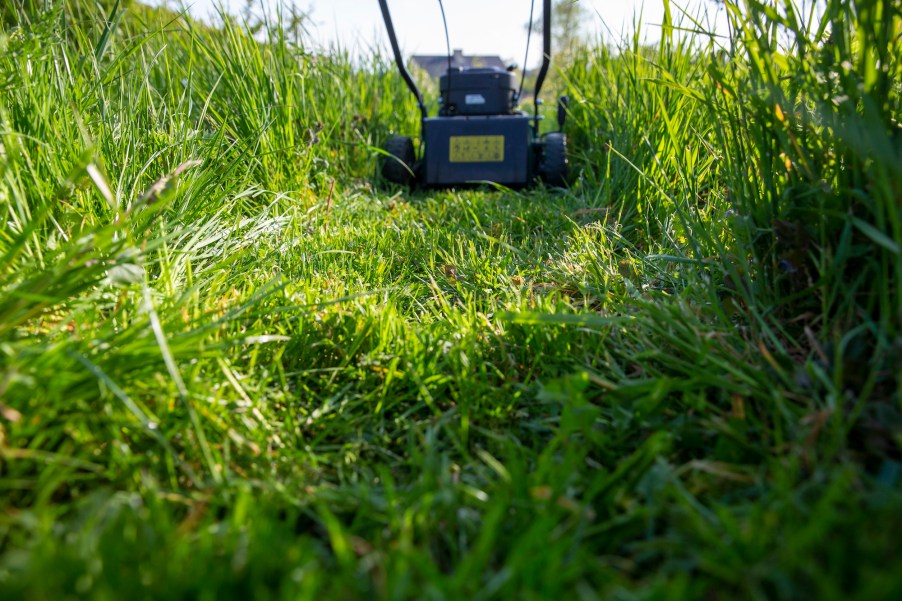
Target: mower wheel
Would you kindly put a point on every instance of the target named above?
(397, 166)
(553, 169)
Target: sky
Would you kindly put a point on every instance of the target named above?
(495, 27)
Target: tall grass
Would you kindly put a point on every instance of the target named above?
(772, 157)
(232, 367)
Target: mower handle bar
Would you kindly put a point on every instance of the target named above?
(546, 49)
(399, 60)
(408, 79)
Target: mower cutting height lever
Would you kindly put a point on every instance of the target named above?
(479, 135)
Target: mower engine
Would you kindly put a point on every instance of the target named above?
(477, 91)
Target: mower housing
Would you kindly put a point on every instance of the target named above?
(478, 148)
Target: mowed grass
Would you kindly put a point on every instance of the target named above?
(233, 366)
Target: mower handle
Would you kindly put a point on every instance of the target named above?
(399, 60)
(546, 48)
(408, 79)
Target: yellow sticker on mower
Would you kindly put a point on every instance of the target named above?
(476, 149)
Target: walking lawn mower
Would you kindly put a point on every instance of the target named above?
(479, 135)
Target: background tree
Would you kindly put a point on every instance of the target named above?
(567, 37)
(567, 33)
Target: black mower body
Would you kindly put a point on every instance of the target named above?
(483, 148)
(479, 136)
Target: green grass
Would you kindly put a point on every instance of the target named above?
(232, 366)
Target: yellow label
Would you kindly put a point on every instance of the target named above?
(476, 149)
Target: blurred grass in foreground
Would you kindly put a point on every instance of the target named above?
(231, 368)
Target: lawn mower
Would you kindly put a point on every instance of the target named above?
(479, 135)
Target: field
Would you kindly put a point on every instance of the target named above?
(233, 364)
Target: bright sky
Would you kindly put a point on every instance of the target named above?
(476, 26)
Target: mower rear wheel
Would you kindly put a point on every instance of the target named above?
(553, 168)
(398, 164)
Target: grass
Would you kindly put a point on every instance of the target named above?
(234, 367)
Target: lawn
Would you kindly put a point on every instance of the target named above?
(234, 364)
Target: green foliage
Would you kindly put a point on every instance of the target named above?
(25, 12)
(791, 131)
(230, 367)
(813, 100)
